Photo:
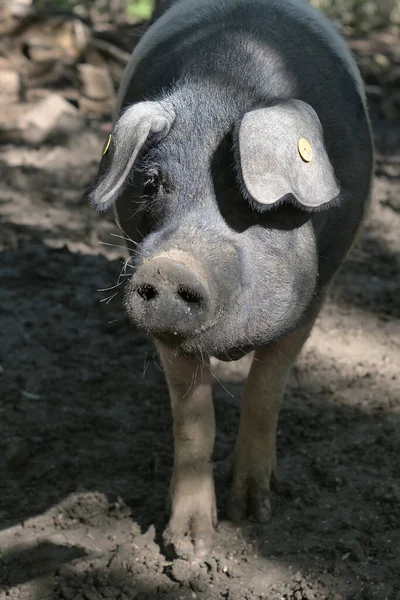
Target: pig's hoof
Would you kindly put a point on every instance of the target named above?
(189, 536)
(249, 500)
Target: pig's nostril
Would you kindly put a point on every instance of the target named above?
(147, 291)
(189, 296)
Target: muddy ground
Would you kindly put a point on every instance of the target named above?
(86, 442)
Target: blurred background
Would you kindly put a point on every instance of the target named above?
(79, 49)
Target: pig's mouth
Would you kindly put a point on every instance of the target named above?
(232, 354)
(188, 348)
(192, 343)
(202, 345)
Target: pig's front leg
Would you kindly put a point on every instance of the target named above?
(254, 459)
(193, 509)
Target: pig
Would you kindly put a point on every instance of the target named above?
(240, 165)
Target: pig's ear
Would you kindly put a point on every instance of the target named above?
(145, 122)
(281, 152)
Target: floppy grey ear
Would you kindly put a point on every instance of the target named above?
(131, 131)
(282, 151)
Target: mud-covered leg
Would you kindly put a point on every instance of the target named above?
(254, 459)
(193, 509)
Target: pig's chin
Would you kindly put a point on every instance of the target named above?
(232, 354)
(198, 349)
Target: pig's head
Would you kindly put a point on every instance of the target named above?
(219, 210)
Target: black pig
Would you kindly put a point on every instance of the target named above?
(240, 164)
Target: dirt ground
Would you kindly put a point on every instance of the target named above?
(86, 440)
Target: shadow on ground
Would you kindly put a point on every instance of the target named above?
(87, 447)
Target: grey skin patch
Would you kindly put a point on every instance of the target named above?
(270, 162)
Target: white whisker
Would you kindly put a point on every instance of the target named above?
(145, 365)
(156, 363)
(194, 375)
(113, 245)
(127, 237)
(121, 237)
(112, 287)
(107, 300)
(220, 383)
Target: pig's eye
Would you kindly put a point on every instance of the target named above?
(151, 185)
(154, 183)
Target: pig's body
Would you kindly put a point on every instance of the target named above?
(253, 251)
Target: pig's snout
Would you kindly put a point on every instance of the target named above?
(170, 299)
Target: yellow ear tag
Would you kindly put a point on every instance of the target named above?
(107, 145)
(305, 149)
